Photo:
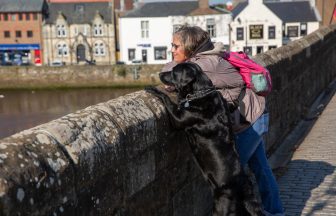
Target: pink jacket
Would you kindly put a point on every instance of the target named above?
(227, 79)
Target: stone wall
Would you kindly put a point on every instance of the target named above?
(13, 77)
(122, 158)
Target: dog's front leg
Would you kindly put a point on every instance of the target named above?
(176, 115)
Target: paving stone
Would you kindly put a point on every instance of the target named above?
(308, 188)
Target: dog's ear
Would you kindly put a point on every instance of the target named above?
(166, 78)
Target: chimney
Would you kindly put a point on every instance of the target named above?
(203, 3)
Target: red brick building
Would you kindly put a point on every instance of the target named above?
(21, 31)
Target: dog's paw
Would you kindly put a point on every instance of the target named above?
(153, 90)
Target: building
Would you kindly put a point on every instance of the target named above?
(327, 9)
(145, 33)
(120, 8)
(21, 31)
(258, 26)
(79, 32)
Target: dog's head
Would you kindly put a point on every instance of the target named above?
(187, 78)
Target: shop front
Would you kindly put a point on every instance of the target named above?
(20, 54)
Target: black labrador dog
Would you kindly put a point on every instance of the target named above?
(203, 114)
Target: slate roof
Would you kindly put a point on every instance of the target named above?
(74, 17)
(21, 5)
(239, 8)
(296, 11)
(163, 9)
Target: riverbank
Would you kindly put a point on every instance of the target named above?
(98, 76)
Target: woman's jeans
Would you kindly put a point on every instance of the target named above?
(251, 150)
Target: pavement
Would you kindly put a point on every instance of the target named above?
(305, 162)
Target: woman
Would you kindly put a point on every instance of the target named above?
(250, 117)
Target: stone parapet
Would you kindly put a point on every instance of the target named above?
(123, 158)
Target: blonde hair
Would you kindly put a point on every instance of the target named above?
(191, 37)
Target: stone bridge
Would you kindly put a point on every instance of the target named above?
(122, 157)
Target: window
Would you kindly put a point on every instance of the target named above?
(240, 33)
(256, 31)
(20, 16)
(96, 49)
(13, 17)
(303, 29)
(85, 30)
(7, 34)
(35, 16)
(131, 54)
(98, 29)
(292, 31)
(271, 32)
(62, 50)
(260, 49)
(27, 16)
(211, 28)
(18, 34)
(99, 49)
(61, 31)
(144, 29)
(160, 53)
(6, 17)
(29, 34)
(102, 49)
(272, 47)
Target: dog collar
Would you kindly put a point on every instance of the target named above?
(199, 94)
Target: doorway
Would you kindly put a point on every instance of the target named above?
(260, 49)
(81, 53)
(144, 56)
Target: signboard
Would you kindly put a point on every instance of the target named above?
(144, 45)
(19, 46)
(256, 31)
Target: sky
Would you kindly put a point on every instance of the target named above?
(211, 2)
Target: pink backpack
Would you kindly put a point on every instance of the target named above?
(254, 75)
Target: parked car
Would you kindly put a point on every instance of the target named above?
(120, 63)
(88, 62)
(25, 60)
(136, 61)
(56, 63)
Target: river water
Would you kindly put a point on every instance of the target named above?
(23, 109)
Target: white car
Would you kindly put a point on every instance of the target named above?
(56, 63)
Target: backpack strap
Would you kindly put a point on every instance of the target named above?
(237, 101)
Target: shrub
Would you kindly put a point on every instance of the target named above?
(121, 71)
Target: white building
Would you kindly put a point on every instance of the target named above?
(146, 32)
(258, 26)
